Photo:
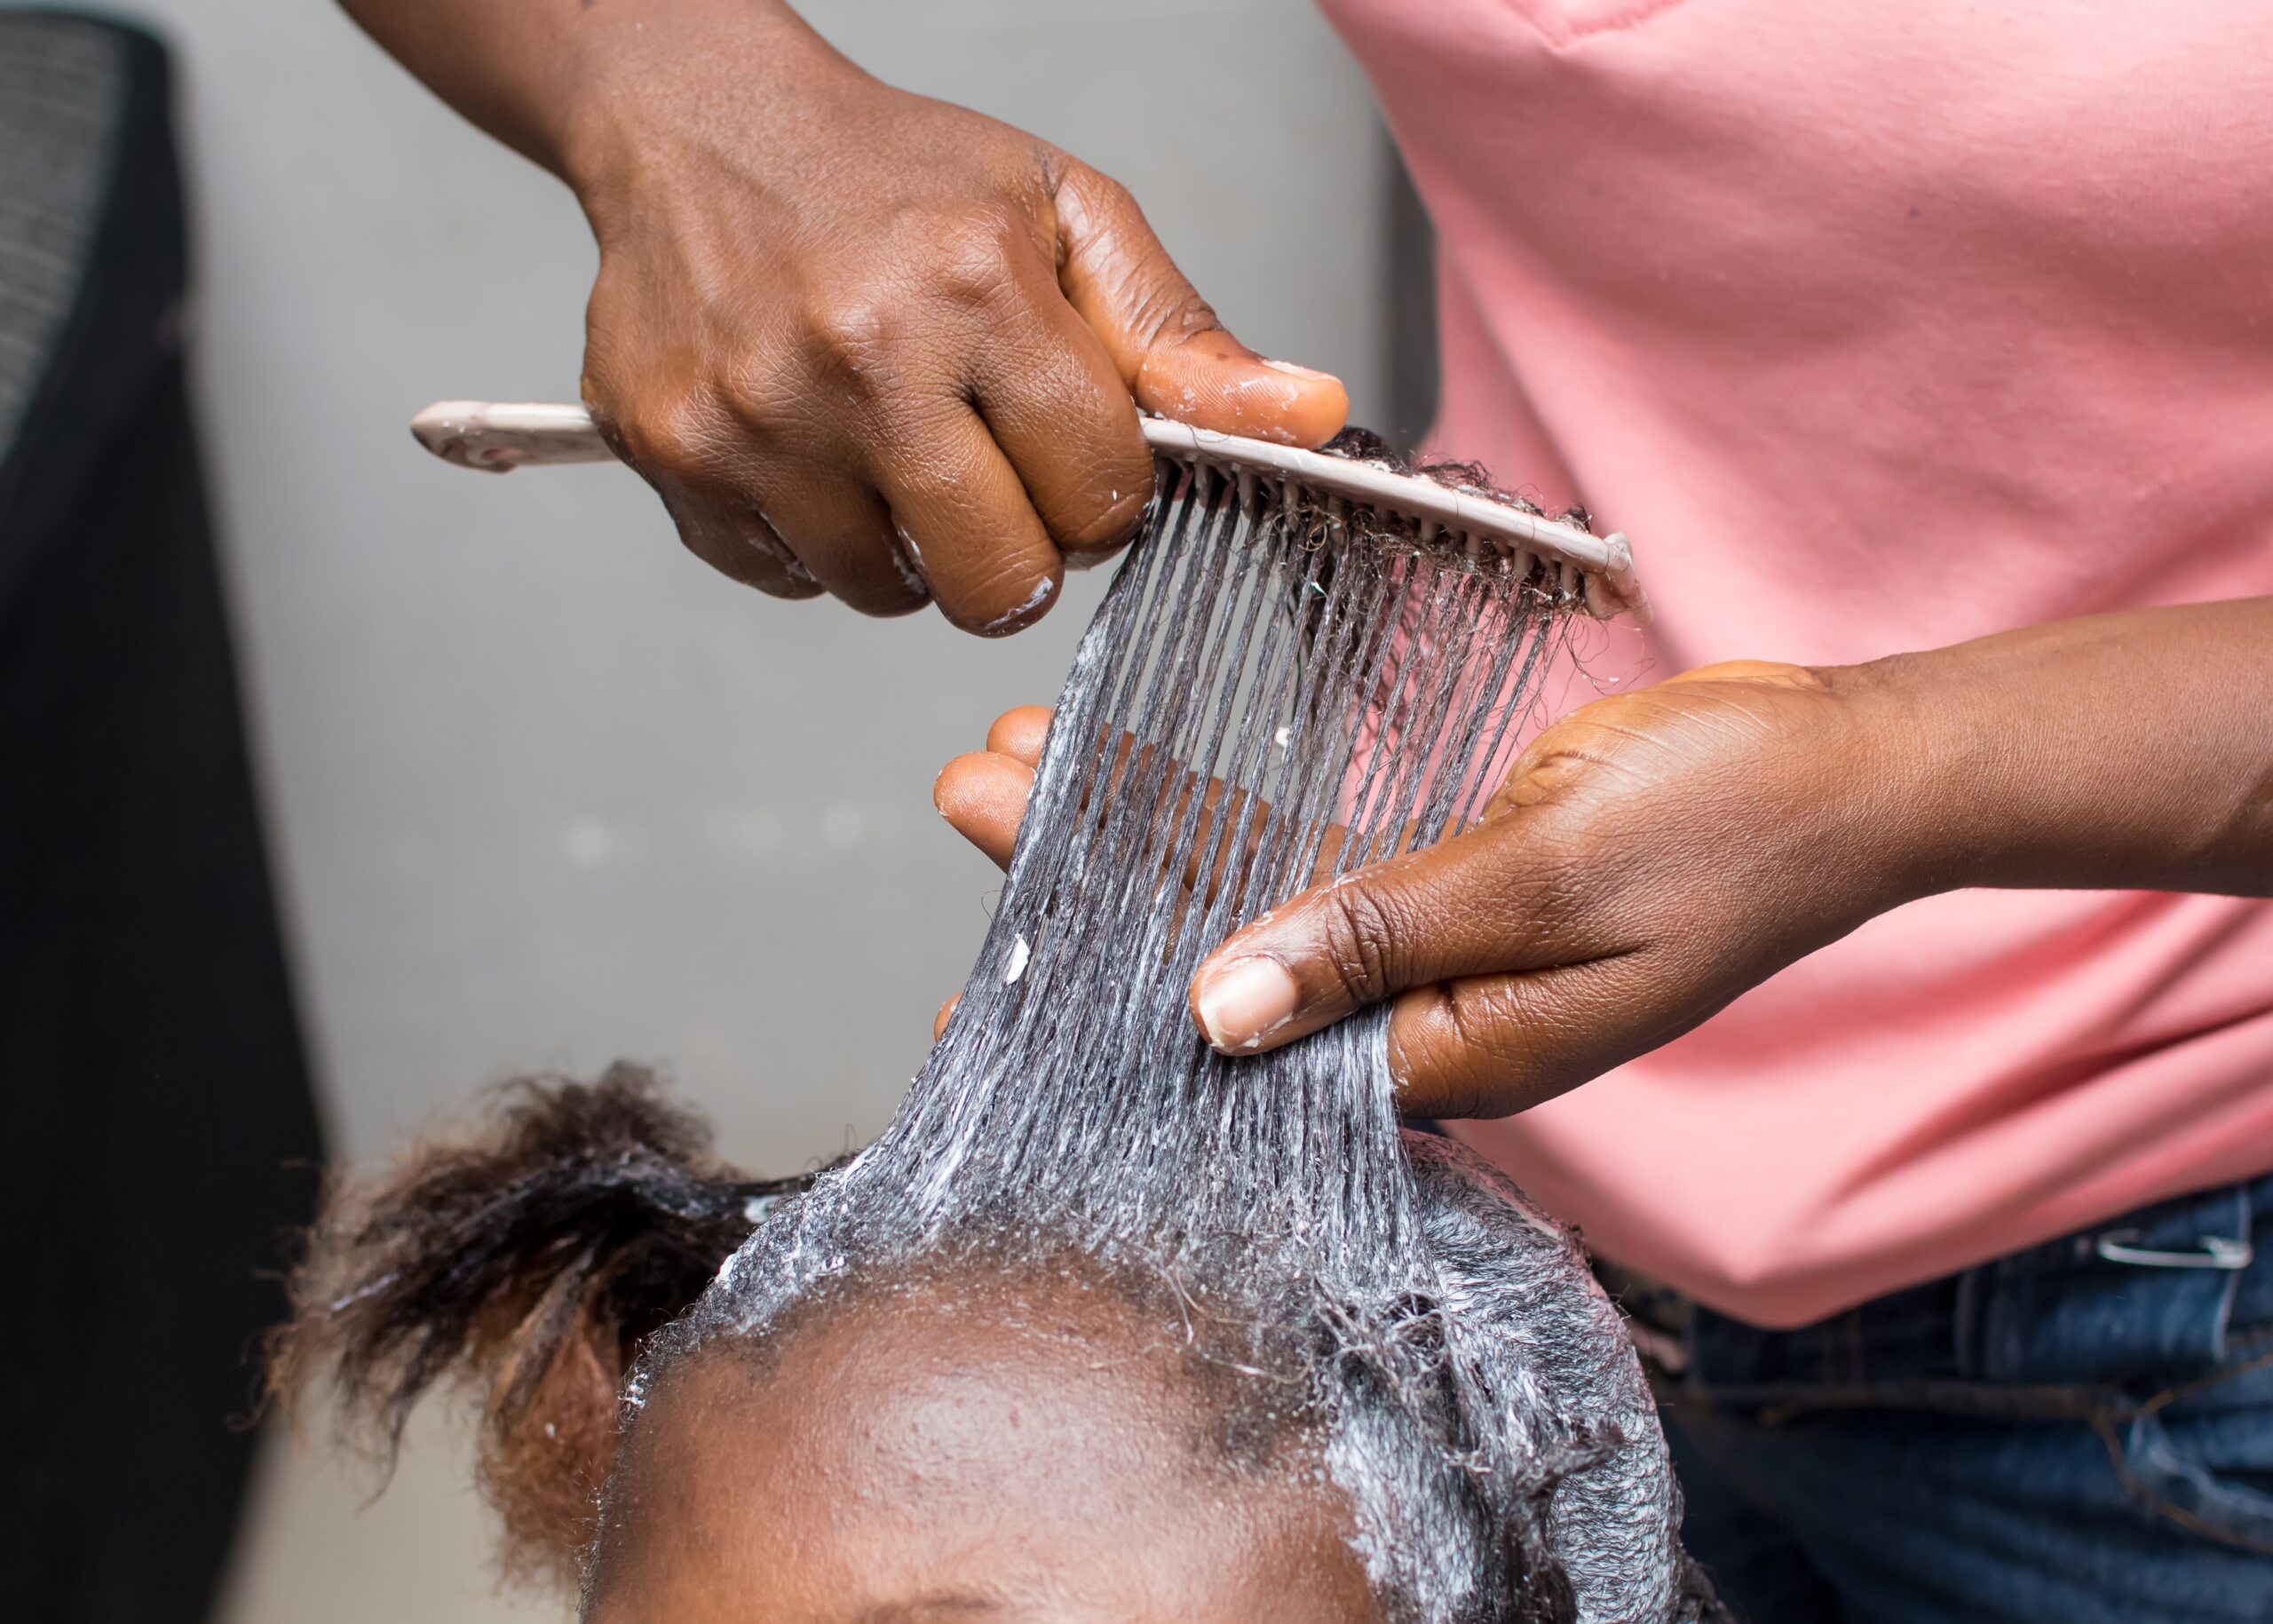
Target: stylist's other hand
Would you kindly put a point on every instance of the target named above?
(1650, 858)
(870, 343)
(984, 795)
(1654, 855)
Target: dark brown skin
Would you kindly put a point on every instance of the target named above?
(1035, 1455)
(1655, 854)
(861, 341)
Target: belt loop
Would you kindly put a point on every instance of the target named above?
(2231, 1252)
(1965, 1321)
(2118, 1246)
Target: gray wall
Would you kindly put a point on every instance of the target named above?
(544, 790)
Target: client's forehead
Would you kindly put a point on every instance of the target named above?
(964, 1448)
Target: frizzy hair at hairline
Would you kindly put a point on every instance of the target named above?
(533, 1262)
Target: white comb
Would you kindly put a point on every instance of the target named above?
(498, 436)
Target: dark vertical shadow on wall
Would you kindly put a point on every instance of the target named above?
(156, 1129)
(1412, 299)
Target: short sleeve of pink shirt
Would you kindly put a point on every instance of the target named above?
(1879, 326)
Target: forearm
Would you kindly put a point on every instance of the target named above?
(2130, 750)
(541, 76)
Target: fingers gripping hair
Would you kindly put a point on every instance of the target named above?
(528, 1264)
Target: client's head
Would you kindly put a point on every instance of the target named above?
(712, 1398)
(962, 1444)
(959, 1436)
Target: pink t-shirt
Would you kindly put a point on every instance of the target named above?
(1878, 324)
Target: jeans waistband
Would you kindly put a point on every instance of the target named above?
(2175, 1287)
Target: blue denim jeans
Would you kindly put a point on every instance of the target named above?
(2081, 1433)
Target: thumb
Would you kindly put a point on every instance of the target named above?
(1169, 348)
(1431, 915)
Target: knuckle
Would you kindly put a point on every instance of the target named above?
(1435, 1075)
(1135, 275)
(763, 402)
(1161, 307)
(1460, 1053)
(668, 434)
(1528, 1038)
(970, 259)
(1114, 491)
(1109, 194)
(1108, 525)
(855, 319)
(1166, 310)
(853, 335)
(1487, 1022)
(1360, 948)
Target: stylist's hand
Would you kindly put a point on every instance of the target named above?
(1650, 858)
(873, 344)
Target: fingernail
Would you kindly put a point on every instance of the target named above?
(1243, 1002)
(1292, 371)
(1026, 614)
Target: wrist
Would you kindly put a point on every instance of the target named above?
(637, 81)
(1909, 777)
(2003, 771)
(2118, 750)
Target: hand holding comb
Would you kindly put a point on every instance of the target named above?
(498, 436)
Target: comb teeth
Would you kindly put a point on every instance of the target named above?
(1412, 507)
(1348, 695)
(1316, 516)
